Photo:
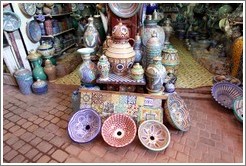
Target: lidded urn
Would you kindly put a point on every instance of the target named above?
(120, 53)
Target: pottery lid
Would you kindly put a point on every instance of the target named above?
(153, 41)
(33, 55)
(120, 32)
(103, 58)
(39, 83)
(22, 72)
(45, 46)
(137, 68)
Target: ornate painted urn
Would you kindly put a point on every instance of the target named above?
(170, 59)
(120, 53)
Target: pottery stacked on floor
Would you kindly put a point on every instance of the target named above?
(120, 53)
(40, 87)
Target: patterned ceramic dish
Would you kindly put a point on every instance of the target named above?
(33, 31)
(177, 112)
(124, 10)
(28, 8)
(84, 125)
(11, 21)
(119, 130)
(225, 93)
(238, 108)
(154, 135)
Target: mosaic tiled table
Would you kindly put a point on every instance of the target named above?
(140, 107)
(121, 83)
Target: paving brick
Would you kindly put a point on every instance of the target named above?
(48, 136)
(62, 124)
(21, 121)
(204, 134)
(19, 132)
(44, 146)
(37, 157)
(207, 158)
(6, 149)
(214, 152)
(27, 137)
(18, 144)
(59, 113)
(12, 140)
(178, 147)
(27, 124)
(32, 128)
(24, 149)
(52, 128)
(53, 161)
(44, 124)
(40, 132)
(6, 106)
(74, 160)
(74, 150)
(14, 128)
(49, 117)
(57, 141)
(32, 153)
(43, 159)
(227, 157)
(14, 118)
(238, 159)
(170, 152)
(18, 159)
(9, 125)
(26, 115)
(160, 158)
(59, 155)
(55, 120)
(61, 107)
(53, 111)
(182, 157)
(207, 141)
(35, 141)
(38, 121)
(7, 136)
(52, 150)
(131, 155)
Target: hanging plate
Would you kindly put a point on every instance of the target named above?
(28, 8)
(11, 21)
(33, 31)
(124, 10)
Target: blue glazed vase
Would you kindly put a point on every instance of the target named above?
(25, 80)
(40, 87)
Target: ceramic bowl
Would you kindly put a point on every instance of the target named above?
(40, 87)
(225, 93)
(177, 112)
(154, 135)
(238, 108)
(119, 130)
(84, 125)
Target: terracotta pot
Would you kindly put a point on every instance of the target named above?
(50, 70)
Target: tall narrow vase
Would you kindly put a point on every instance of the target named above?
(88, 70)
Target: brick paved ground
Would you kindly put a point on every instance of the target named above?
(34, 130)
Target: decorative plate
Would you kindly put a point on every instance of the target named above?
(33, 31)
(177, 112)
(74, 7)
(28, 8)
(84, 125)
(225, 93)
(124, 10)
(119, 130)
(11, 21)
(238, 108)
(154, 135)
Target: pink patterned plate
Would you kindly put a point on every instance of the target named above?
(84, 125)
(154, 135)
(124, 10)
(119, 130)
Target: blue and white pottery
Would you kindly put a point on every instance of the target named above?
(40, 87)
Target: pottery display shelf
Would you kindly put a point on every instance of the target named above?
(121, 82)
(57, 34)
(55, 15)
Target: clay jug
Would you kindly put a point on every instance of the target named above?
(50, 70)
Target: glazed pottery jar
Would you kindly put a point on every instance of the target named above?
(75, 100)
(120, 53)
(38, 71)
(137, 49)
(40, 87)
(168, 29)
(24, 80)
(155, 74)
(91, 35)
(107, 43)
(153, 49)
(103, 67)
(169, 87)
(99, 26)
(170, 59)
(137, 72)
(46, 49)
(50, 70)
(88, 69)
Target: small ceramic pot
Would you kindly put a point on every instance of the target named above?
(46, 50)
(40, 87)
(137, 72)
(103, 67)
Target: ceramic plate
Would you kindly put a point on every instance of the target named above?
(238, 108)
(11, 21)
(74, 7)
(34, 31)
(28, 8)
(124, 10)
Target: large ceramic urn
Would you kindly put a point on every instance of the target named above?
(120, 53)
(170, 59)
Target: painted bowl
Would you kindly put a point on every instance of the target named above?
(177, 112)
(84, 125)
(119, 130)
(238, 108)
(225, 93)
(40, 87)
(154, 135)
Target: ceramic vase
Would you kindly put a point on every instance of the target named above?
(88, 69)
(155, 74)
(137, 49)
(75, 100)
(91, 36)
(153, 49)
(24, 80)
(103, 67)
(120, 53)
(40, 87)
(168, 29)
(38, 71)
(137, 72)
(50, 70)
(170, 59)
(169, 87)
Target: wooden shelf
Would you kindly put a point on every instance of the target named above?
(57, 34)
(55, 15)
(60, 52)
